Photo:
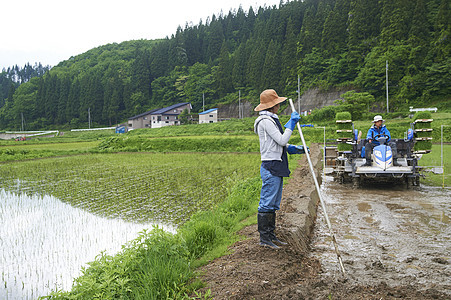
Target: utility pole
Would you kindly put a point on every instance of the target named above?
(89, 117)
(203, 101)
(239, 105)
(299, 95)
(386, 80)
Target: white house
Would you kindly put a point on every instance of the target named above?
(169, 115)
(208, 116)
(159, 117)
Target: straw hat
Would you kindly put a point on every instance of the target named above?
(268, 99)
(378, 118)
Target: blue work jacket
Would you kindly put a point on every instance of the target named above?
(373, 131)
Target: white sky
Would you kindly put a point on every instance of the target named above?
(50, 31)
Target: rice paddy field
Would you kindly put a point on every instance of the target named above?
(138, 187)
(45, 243)
(58, 213)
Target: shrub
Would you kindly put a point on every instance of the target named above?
(326, 113)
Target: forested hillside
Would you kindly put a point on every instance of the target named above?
(326, 42)
(12, 77)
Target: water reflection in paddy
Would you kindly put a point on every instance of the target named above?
(44, 243)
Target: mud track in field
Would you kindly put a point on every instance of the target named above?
(255, 272)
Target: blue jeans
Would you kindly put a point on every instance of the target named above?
(271, 193)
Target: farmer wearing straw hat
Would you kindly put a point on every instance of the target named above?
(378, 128)
(273, 148)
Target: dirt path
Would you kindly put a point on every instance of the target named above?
(255, 272)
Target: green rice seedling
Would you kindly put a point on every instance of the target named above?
(139, 187)
(344, 130)
(423, 130)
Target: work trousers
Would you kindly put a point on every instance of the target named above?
(271, 193)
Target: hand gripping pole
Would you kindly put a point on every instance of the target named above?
(312, 171)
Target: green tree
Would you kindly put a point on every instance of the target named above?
(395, 21)
(72, 105)
(51, 97)
(309, 34)
(239, 61)
(199, 83)
(419, 40)
(441, 44)
(177, 53)
(159, 58)
(355, 103)
(65, 84)
(214, 39)
(184, 117)
(255, 65)
(223, 75)
(312, 67)
(272, 68)
(334, 35)
(288, 74)
(141, 75)
(363, 30)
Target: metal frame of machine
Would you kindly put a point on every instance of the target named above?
(348, 166)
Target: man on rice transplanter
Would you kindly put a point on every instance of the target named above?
(376, 130)
(273, 148)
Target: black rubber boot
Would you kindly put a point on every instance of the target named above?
(367, 163)
(272, 227)
(264, 229)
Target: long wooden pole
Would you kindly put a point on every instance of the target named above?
(319, 193)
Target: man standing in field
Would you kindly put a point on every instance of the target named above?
(273, 148)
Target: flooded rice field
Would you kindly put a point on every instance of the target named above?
(98, 202)
(44, 243)
(387, 234)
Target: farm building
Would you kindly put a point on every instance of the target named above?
(140, 121)
(159, 117)
(209, 116)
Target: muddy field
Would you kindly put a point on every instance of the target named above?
(388, 234)
(395, 244)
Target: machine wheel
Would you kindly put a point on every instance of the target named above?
(356, 182)
(417, 181)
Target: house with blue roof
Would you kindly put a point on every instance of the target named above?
(208, 116)
(160, 117)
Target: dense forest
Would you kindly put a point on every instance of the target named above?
(12, 77)
(328, 43)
